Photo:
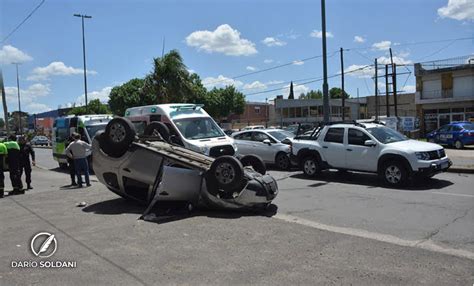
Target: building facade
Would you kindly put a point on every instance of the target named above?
(444, 92)
(405, 105)
(255, 113)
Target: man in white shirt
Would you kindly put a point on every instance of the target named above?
(77, 150)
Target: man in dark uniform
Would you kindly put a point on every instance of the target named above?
(25, 165)
(13, 160)
(3, 157)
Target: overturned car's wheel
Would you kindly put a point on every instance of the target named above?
(255, 162)
(118, 136)
(158, 130)
(227, 172)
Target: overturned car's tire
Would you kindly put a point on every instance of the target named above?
(255, 162)
(158, 130)
(118, 136)
(227, 172)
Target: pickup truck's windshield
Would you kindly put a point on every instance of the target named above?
(198, 128)
(386, 135)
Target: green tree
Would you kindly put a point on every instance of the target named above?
(14, 121)
(2, 123)
(221, 102)
(312, 94)
(93, 107)
(130, 94)
(336, 92)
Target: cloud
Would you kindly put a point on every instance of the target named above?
(297, 90)
(28, 98)
(255, 85)
(220, 81)
(360, 71)
(359, 39)
(275, 82)
(319, 34)
(382, 46)
(102, 95)
(268, 61)
(10, 54)
(396, 59)
(298, 63)
(461, 10)
(54, 69)
(273, 42)
(251, 68)
(35, 107)
(224, 39)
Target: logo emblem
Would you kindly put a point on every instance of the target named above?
(44, 244)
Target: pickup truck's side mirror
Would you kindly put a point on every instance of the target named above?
(370, 143)
(267, 141)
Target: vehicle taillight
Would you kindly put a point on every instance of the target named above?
(470, 133)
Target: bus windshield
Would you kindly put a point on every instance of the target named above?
(198, 128)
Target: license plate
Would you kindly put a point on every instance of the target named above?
(444, 165)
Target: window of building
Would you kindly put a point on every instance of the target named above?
(305, 111)
(292, 112)
(313, 111)
(297, 111)
(285, 112)
(257, 109)
(457, 109)
(357, 137)
(335, 135)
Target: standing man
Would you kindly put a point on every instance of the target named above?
(70, 162)
(13, 160)
(3, 157)
(25, 165)
(78, 151)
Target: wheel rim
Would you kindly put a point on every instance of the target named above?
(310, 167)
(283, 162)
(458, 145)
(225, 173)
(393, 174)
(117, 132)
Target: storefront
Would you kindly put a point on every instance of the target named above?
(437, 117)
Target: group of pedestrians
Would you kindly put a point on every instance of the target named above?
(15, 157)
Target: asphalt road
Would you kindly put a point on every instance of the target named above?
(341, 228)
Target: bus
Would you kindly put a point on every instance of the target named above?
(86, 125)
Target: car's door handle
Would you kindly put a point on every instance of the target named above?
(349, 150)
(325, 147)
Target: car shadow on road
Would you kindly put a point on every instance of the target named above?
(372, 181)
(165, 212)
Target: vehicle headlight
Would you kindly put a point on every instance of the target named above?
(204, 150)
(422, 155)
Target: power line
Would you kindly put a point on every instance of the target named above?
(22, 22)
(269, 69)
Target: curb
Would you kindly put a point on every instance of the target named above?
(454, 169)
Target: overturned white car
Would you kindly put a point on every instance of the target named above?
(150, 169)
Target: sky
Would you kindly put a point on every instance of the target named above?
(224, 42)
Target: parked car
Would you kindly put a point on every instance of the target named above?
(369, 147)
(253, 127)
(272, 145)
(455, 134)
(40, 141)
(303, 127)
(152, 169)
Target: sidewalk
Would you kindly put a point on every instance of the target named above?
(463, 160)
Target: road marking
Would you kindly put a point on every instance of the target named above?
(422, 243)
(453, 194)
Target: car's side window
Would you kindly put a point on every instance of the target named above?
(357, 137)
(259, 136)
(335, 135)
(244, 136)
(456, 128)
(444, 128)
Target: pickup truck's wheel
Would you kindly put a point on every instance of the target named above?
(311, 166)
(458, 144)
(227, 172)
(255, 162)
(118, 136)
(159, 130)
(282, 161)
(394, 173)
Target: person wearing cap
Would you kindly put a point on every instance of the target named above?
(25, 165)
(13, 160)
(78, 151)
(3, 157)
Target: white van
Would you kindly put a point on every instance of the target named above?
(189, 125)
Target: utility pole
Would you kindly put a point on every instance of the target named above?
(387, 90)
(394, 83)
(325, 69)
(4, 101)
(376, 91)
(20, 127)
(342, 86)
(84, 54)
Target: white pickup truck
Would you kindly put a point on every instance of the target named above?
(368, 147)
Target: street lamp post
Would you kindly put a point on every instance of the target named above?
(19, 102)
(84, 53)
(325, 68)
